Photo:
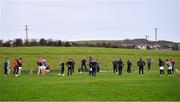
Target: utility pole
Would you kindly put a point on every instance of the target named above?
(156, 34)
(155, 38)
(26, 29)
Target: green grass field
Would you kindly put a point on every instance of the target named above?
(106, 86)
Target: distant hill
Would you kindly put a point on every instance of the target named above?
(130, 43)
(126, 41)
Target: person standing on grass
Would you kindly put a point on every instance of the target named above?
(90, 66)
(115, 64)
(6, 66)
(20, 65)
(94, 67)
(90, 59)
(172, 61)
(161, 66)
(83, 63)
(169, 64)
(129, 64)
(120, 66)
(16, 67)
(90, 71)
(149, 61)
(141, 65)
(61, 64)
(44, 66)
(69, 64)
(39, 66)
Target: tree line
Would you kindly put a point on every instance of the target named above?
(50, 42)
(107, 44)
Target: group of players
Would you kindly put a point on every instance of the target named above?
(94, 66)
(170, 62)
(43, 66)
(17, 65)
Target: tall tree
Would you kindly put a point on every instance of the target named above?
(18, 42)
(43, 42)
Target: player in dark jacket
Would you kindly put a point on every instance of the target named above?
(90, 59)
(83, 63)
(161, 67)
(94, 67)
(69, 64)
(6, 66)
(129, 64)
(141, 65)
(149, 61)
(19, 62)
(120, 66)
(115, 64)
(61, 64)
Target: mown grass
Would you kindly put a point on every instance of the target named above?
(81, 87)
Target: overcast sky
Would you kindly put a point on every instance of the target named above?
(90, 19)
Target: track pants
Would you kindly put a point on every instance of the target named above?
(119, 70)
(62, 70)
(5, 71)
(161, 72)
(94, 71)
(114, 69)
(129, 69)
(141, 70)
(169, 71)
(16, 70)
(70, 71)
(84, 65)
(149, 66)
